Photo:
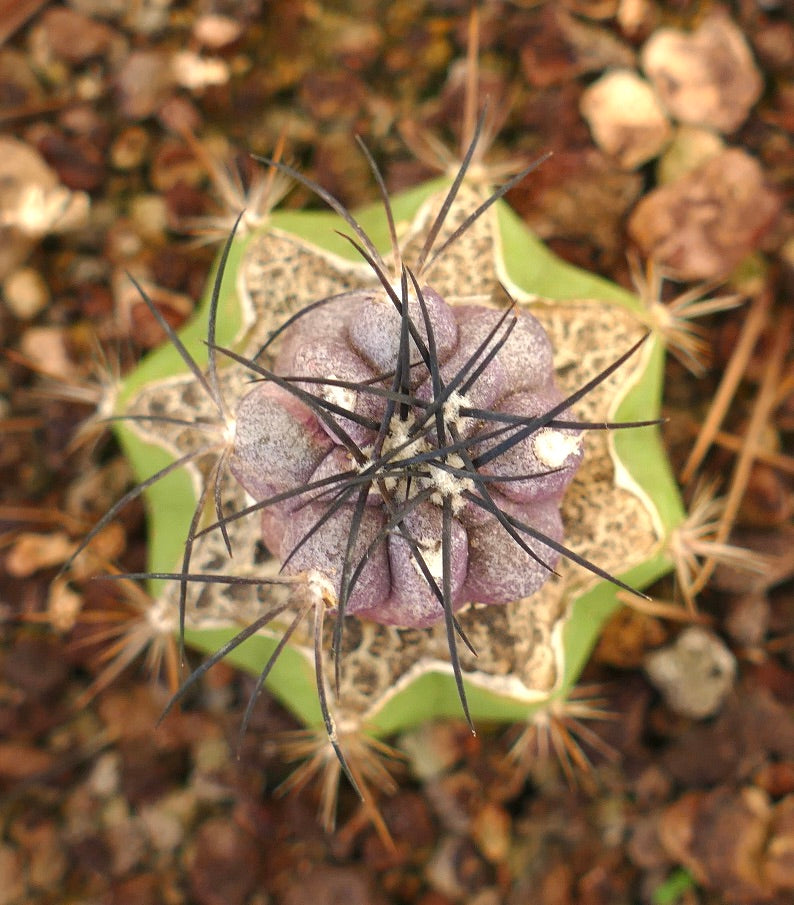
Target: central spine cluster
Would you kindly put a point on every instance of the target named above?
(411, 453)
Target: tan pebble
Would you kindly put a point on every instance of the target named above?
(626, 118)
(149, 216)
(491, 830)
(106, 546)
(196, 73)
(636, 17)
(45, 346)
(25, 293)
(216, 31)
(32, 552)
(63, 605)
(129, 149)
(779, 863)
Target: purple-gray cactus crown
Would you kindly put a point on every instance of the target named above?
(406, 456)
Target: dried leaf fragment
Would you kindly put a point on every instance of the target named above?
(732, 841)
(707, 77)
(700, 227)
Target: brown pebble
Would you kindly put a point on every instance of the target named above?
(76, 38)
(774, 44)
(627, 637)
(226, 864)
(78, 162)
(456, 797)
(653, 786)
(90, 853)
(174, 163)
(35, 665)
(85, 120)
(457, 869)
(178, 114)
(776, 778)
(12, 870)
(410, 823)
(185, 203)
(491, 830)
(21, 761)
(582, 195)
(325, 884)
(143, 889)
(774, 679)
(19, 87)
(95, 300)
(148, 772)
(556, 886)
(752, 727)
(42, 841)
(335, 96)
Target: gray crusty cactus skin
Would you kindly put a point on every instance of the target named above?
(280, 444)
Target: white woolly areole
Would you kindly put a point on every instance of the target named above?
(320, 588)
(442, 481)
(395, 438)
(230, 431)
(552, 447)
(451, 411)
(449, 485)
(162, 617)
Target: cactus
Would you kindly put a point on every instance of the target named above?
(430, 455)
